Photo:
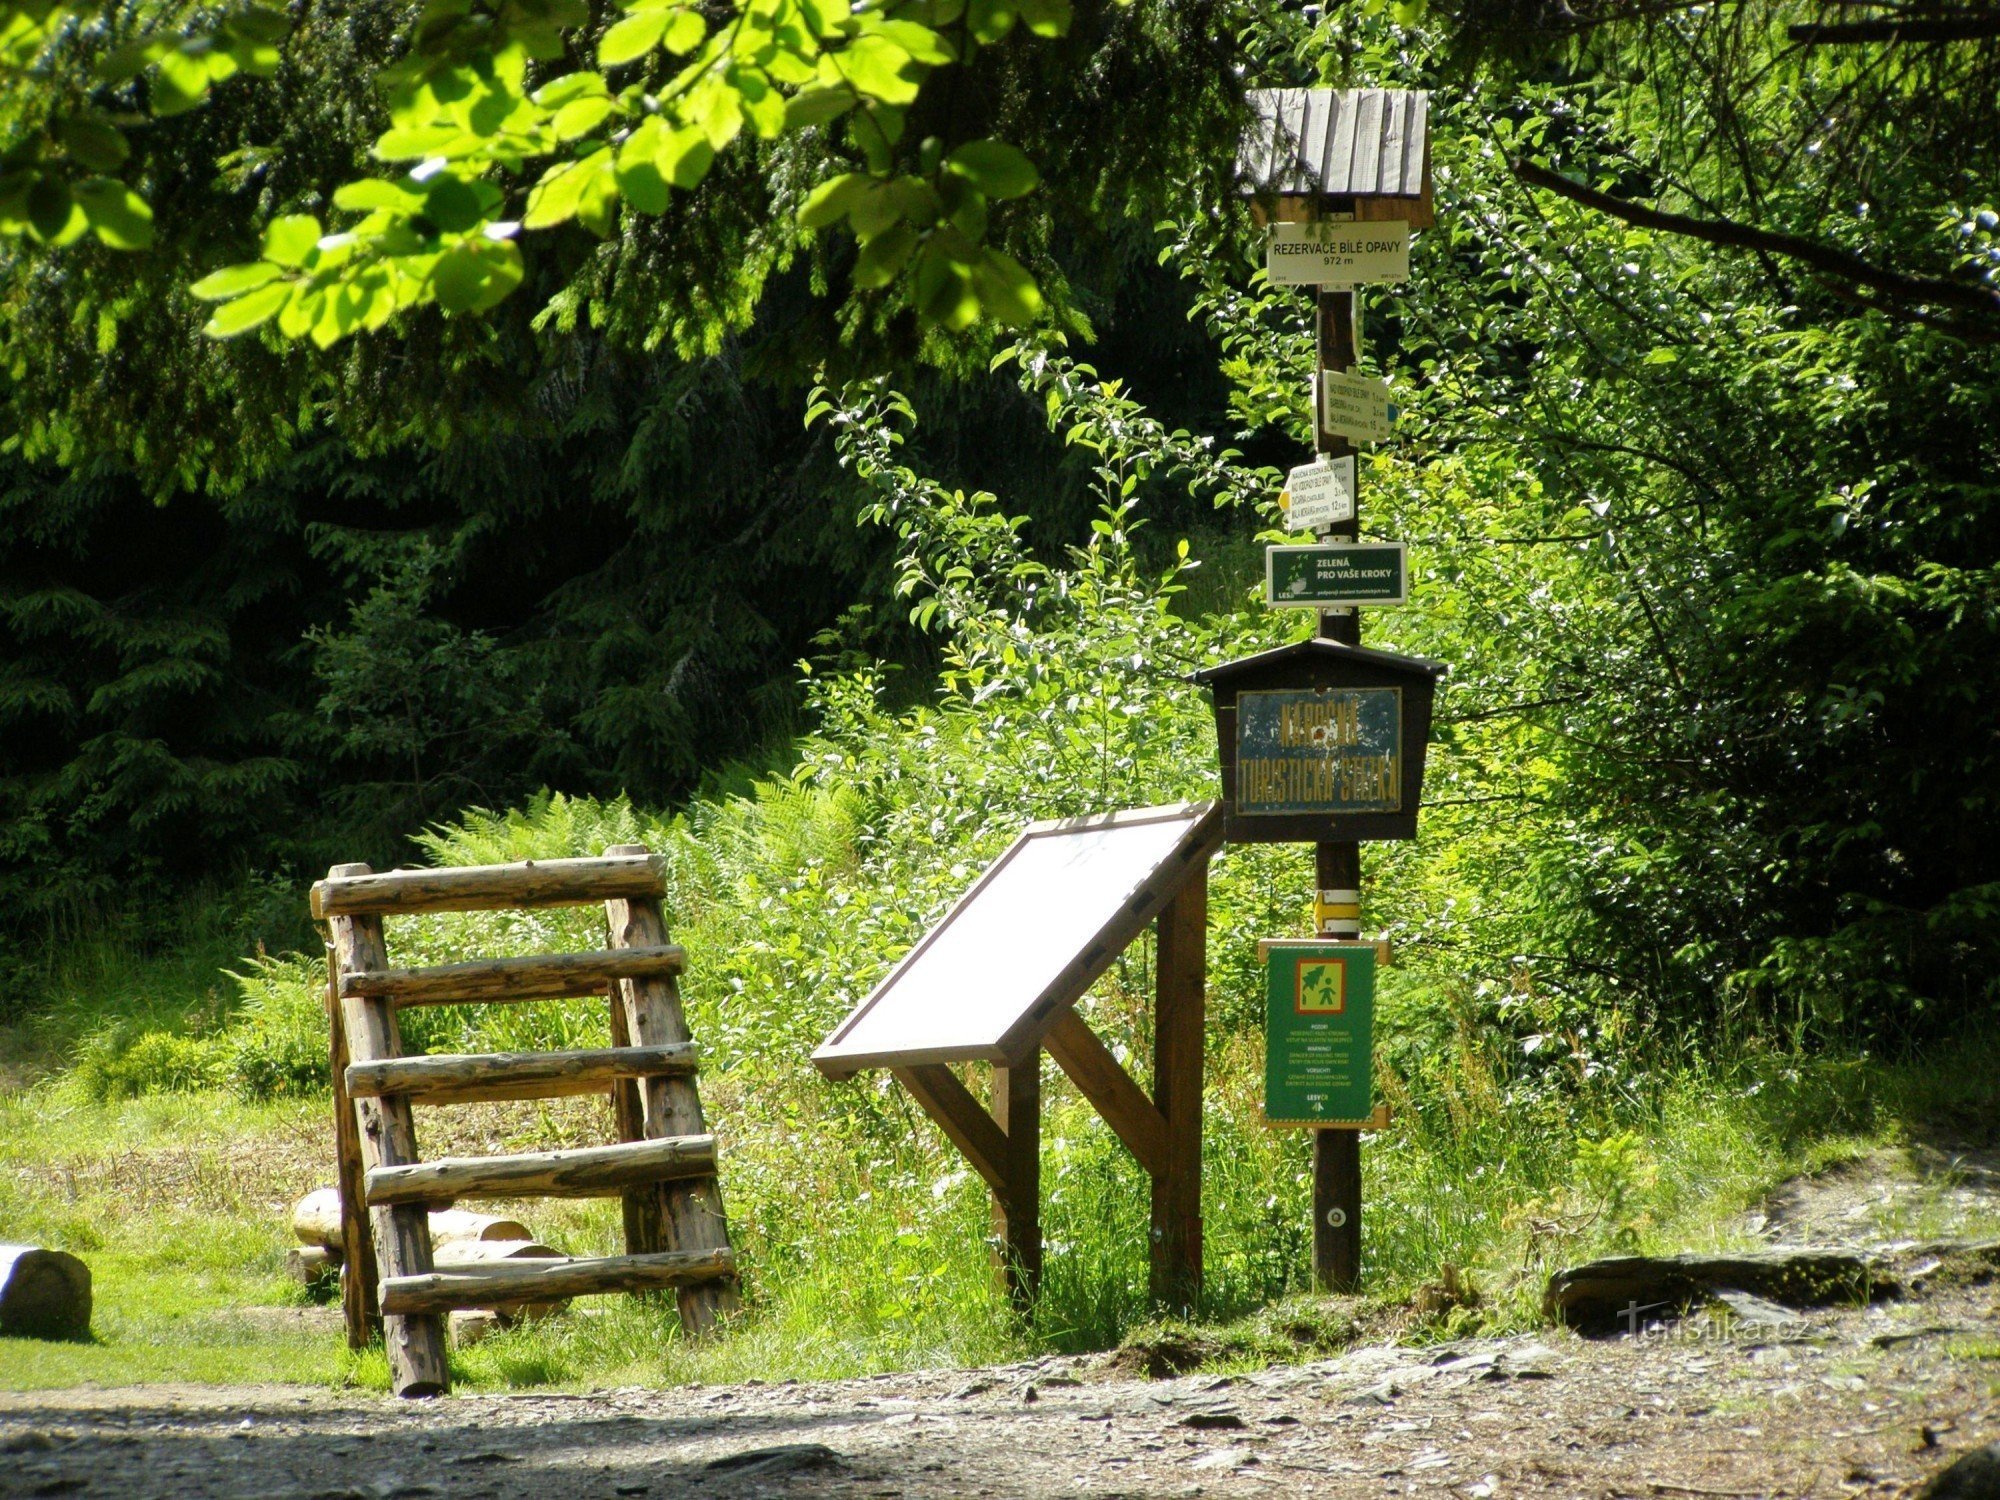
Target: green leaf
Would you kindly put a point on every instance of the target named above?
(118, 216)
(453, 204)
(180, 84)
(410, 142)
(94, 144)
(49, 207)
(944, 289)
(817, 105)
(631, 38)
(245, 313)
(922, 43)
(990, 20)
(831, 200)
(685, 32)
(640, 179)
(997, 169)
(556, 197)
(1046, 17)
(372, 193)
(475, 276)
(260, 25)
(581, 116)
(288, 240)
(881, 70)
(1006, 291)
(234, 281)
(684, 157)
(571, 86)
(883, 256)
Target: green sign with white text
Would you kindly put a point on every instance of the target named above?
(1319, 1033)
(1335, 573)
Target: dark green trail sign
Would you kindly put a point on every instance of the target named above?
(1319, 1033)
(1334, 573)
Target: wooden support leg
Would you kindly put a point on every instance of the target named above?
(359, 1303)
(1017, 1212)
(691, 1215)
(416, 1344)
(643, 1234)
(1178, 1024)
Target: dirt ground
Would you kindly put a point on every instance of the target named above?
(1847, 1402)
(1756, 1401)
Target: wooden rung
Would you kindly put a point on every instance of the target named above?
(551, 1280)
(547, 882)
(539, 976)
(468, 1078)
(592, 1172)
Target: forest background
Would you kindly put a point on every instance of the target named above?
(1696, 460)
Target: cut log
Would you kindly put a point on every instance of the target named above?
(494, 981)
(455, 1254)
(44, 1294)
(316, 1221)
(1626, 1291)
(549, 882)
(545, 1280)
(590, 1172)
(312, 1266)
(466, 1078)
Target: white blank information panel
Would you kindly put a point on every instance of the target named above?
(1008, 955)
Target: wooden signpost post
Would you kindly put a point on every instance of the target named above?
(1342, 177)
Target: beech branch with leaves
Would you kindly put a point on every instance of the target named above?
(677, 83)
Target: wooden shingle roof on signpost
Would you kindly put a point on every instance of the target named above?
(1370, 146)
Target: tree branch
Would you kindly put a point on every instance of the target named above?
(1850, 33)
(1826, 259)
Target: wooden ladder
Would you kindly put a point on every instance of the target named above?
(662, 1165)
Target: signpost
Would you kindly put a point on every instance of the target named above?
(1322, 493)
(1319, 1026)
(1340, 176)
(1333, 573)
(1335, 253)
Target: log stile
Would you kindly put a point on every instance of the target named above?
(663, 1164)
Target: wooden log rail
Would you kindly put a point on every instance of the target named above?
(552, 1280)
(467, 1078)
(550, 882)
(591, 1172)
(537, 976)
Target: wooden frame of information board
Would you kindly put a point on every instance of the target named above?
(997, 982)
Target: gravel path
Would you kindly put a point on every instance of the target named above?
(1848, 1402)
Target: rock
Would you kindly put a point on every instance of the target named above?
(1223, 1420)
(44, 1294)
(769, 1463)
(1974, 1476)
(1619, 1293)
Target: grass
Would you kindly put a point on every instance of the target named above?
(863, 1259)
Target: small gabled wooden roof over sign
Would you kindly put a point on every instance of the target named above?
(1370, 146)
(1044, 921)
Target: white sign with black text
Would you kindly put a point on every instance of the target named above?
(1338, 253)
(1354, 406)
(1322, 493)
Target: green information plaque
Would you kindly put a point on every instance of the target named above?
(1319, 1033)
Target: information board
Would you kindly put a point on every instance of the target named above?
(1026, 940)
(1308, 750)
(1319, 1033)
